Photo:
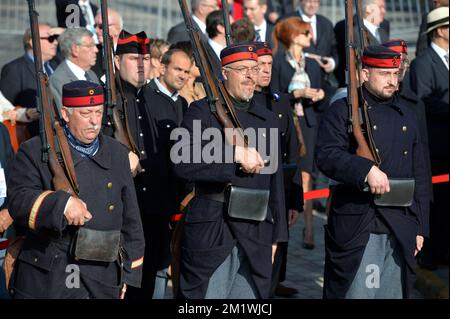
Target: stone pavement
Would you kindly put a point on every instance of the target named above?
(305, 267)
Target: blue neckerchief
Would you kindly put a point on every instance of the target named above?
(85, 150)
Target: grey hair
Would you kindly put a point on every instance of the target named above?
(195, 4)
(72, 36)
(68, 109)
(366, 3)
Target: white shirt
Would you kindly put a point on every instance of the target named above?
(373, 29)
(441, 52)
(79, 72)
(312, 21)
(200, 23)
(163, 89)
(262, 30)
(217, 47)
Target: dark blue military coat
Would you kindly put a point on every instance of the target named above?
(290, 150)
(106, 186)
(209, 235)
(353, 212)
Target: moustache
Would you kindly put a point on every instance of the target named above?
(92, 127)
(249, 82)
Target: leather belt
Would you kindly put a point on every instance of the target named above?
(206, 193)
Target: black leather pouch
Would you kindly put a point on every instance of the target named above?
(97, 245)
(247, 203)
(401, 194)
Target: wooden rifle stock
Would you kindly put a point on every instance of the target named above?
(363, 148)
(55, 148)
(120, 126)
(219, 100)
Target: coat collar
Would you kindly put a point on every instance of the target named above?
(439, 64)
(101, 158)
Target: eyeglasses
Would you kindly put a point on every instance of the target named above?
(100, 26)
(87, 45)
(51, 38)
(245, 70)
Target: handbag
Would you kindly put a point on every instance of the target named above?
(247, 203)
(401, 193)
(97, 245)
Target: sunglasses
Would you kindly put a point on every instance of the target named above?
(51, 38)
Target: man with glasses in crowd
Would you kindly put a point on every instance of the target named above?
(18, 77)
(222, 256)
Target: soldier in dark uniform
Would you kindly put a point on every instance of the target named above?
(224, 256)
(279, 104)
(46, 266)
(158, 189)
(370, 249)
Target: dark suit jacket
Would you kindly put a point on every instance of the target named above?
(282, 74)
(339, 32)
(429, 80)
(325, 41)
(179, 33)
(423, 40)
(19, 85)
(18, 82)
(6, 152)
(215, 61)
(386, 26)
(269, 32)
(61, 13)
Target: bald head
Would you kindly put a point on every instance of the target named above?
(115, 25)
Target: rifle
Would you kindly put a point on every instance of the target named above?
(226, 21)
(365, 143)
(55, 148)
(121, 128)
(221, 106)
(219, 100)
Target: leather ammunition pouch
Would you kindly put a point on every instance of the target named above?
(401, 193)
(97, 245)
(241, 202)
(247, 203)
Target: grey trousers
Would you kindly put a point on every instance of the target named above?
(380, 274)
(232, 279)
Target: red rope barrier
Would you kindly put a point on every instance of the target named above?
(315, 194)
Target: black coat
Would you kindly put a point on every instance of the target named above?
(164, 189)
(429, 80)
(339, 31)
(281, 106)
(282, 73)
(106, 186)
(179, 33)
(423, 39)
(18, 84)
(209, 236)
(6, 153)
(61, 14)
(352, 211)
